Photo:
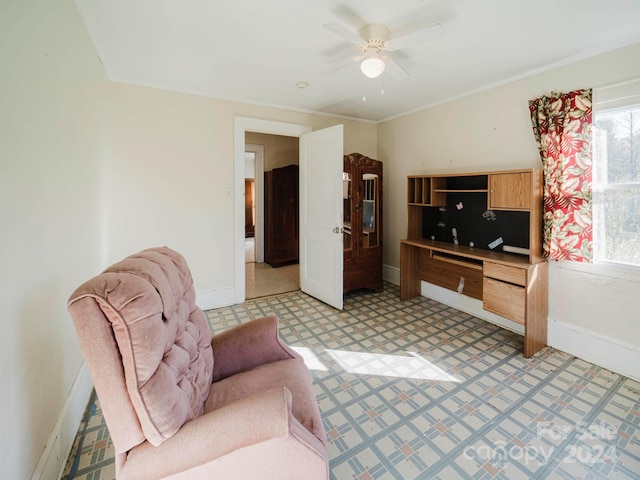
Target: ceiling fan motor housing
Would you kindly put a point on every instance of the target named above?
(375, 35)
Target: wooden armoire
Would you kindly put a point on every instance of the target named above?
(362, 223)
(281, 223)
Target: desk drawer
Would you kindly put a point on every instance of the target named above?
(505, 273)
(504, 299)
(448, 270)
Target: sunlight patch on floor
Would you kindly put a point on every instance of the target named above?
(311, 360)
(410, 366)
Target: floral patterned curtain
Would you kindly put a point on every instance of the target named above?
(562, 127)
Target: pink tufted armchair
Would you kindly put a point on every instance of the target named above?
(182, 404)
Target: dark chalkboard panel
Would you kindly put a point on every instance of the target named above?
(471, 225)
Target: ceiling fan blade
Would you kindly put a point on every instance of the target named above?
(340, 66)
(345, 33)
(394, 69)
(417, 36)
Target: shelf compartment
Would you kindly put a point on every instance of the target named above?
(476, 183)
(419, 190)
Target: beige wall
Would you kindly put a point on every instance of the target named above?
(279, 151)
(491, 130)
(172, 174)
(53, 142)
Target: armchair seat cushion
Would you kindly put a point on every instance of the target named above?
(290, 373)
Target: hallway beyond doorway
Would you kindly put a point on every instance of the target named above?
(261, 279)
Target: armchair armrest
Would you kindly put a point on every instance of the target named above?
(247, 423)
(247, 346)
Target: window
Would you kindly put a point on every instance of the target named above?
(616, 174)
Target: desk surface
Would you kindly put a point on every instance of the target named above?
(469, 252)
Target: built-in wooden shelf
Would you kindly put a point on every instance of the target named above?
(511, 285)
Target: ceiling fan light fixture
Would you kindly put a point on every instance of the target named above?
(372, 66)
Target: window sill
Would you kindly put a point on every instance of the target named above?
(607, 269)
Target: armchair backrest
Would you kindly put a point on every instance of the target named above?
(147, 346)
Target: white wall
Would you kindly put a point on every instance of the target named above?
(172, 174)
(491, 130)
(53, 141)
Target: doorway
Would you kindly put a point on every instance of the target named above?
(321, 249)
(271, 234)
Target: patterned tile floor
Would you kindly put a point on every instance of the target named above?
(419, 390)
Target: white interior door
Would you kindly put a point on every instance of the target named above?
(321, 243)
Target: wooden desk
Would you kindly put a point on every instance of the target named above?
(507, 284)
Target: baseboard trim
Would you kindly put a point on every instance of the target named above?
(467, 305)
(610, 353)
(220, 297)
(58, 447)
(391, 274)
(607, 352)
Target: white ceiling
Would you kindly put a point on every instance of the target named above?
(258, 50)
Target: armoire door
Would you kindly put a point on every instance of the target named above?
(363, 206)
(281, 197)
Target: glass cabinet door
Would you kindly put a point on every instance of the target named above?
(347, 199)
(370, 231)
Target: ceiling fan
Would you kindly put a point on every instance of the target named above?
(376, 40)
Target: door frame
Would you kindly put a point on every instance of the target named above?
(242, 125)
(258, 178)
